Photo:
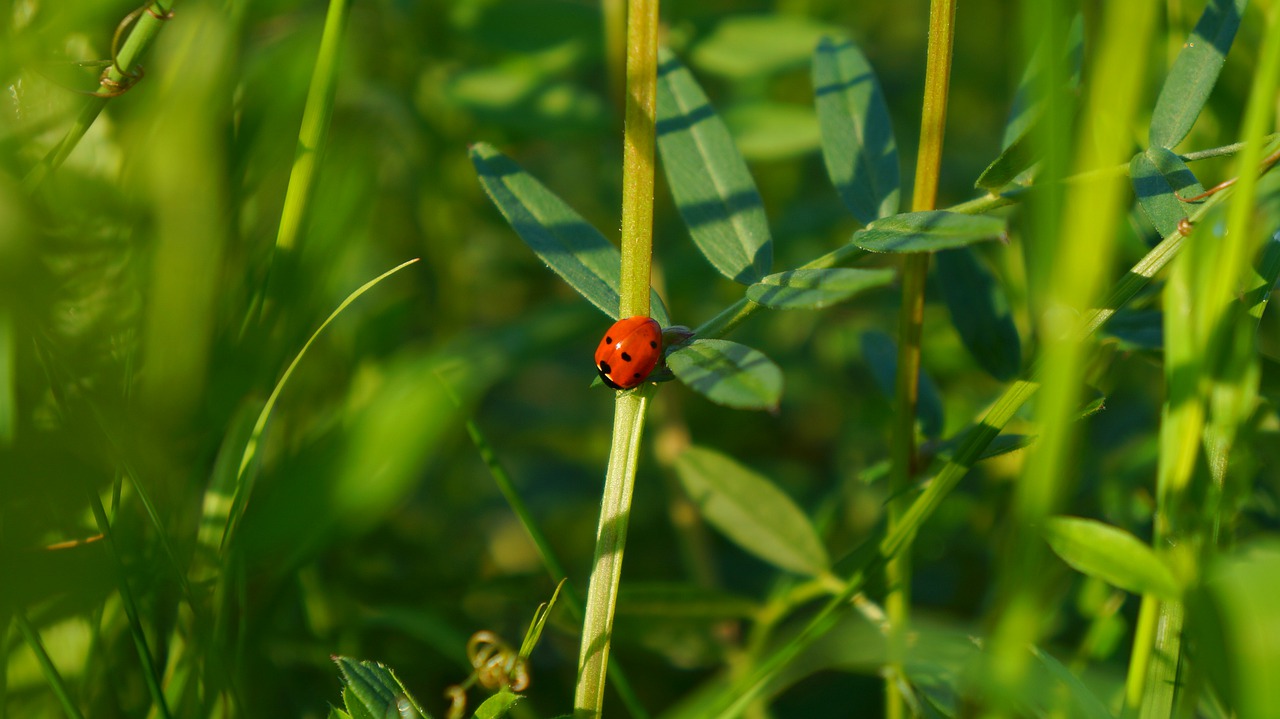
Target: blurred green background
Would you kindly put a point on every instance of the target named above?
(145, 322)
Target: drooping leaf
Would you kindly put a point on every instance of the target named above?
(709, 179)
(370, 689)
(881, 354)
(728, 373)
(1110, 554)
(497, 705)
(980, 312)
(1018, 153)
(569, 245)
(928, 231)
(1159, 177)
(815, 289)
(751, 511)
(1194, 73)
(857, 134)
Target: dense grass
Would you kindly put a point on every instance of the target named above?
(234, 443)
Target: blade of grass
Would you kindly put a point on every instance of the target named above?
(50, 671)
(244, 478)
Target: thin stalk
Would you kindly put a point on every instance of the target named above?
(120, 74)
(315, 125)
(555, 569)
(629, 408)
(915, 270)
(149, 673)
(614, 14)
(50, 671)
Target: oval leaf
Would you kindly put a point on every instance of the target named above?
(980, 312)
(497, 705)
(728, 373)
(1110, 554)
(371, 689)
(928, 231)
(751, 511)
(768, 130)
(815, 289)
(1195, 72)
(1157, 175)
(569, 245)
(709, 179)
(1018, 151)
(751, 46)
(857, 135)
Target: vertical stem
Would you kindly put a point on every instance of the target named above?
(629, 408)
(614, 13)
(933, 121)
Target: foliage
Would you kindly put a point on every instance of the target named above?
(212, 481)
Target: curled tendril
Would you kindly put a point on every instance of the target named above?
(457, 697)
(496, 664)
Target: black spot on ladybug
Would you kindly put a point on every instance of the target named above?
(605, 368)
(636, 375)
(608, 340)
(653, 344)
(626, 357)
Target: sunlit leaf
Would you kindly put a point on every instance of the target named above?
(749, 46)
(371, 689)
(497, 705)
(709, 180)
(1195, 72)
(980, 312)
(767, 130)
(751, 511)
(728, 373)
(1110, 554)
(569, 245)
(1159, 177)
(928, 231)
(815, 289)
(857, 134)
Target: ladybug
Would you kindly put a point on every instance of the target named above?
(629, 352)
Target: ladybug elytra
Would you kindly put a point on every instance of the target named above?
(629, 352)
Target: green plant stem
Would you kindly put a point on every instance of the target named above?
(629, 409)
(316, 115)
(616, 676)
(915, 270)
(134, 47)
(149, 672)
(611, 538)
(614, 15)
(47, 667)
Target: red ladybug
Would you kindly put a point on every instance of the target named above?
(629, 352)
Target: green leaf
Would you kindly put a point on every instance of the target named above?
(569, 245)
(751, 511)
(857, 134)
(1110, 554)
(751, 46)
(497, 705)
(372, 690)
(709, 179)
(771, 131)
(728, 373)
(881, 354)
(336, 713)
(1194, 73)
(1084, 703)
(1235, 619)
(980, 312)
(928, 231)
(1159, 177)
(1018, 151)
(815, 289)
(682, 601)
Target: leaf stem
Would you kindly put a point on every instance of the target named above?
(47, 667)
